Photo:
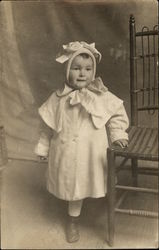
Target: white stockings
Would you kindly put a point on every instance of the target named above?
(74, 208)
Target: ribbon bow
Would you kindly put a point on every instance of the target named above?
(72, 47)
(96, 100)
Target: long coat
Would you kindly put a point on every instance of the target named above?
(77, 161)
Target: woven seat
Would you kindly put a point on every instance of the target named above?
(143, 144)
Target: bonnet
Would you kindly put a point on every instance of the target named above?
(72, 49)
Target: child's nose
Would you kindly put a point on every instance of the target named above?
(82, 72)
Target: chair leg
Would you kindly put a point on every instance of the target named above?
(111, 196)
(134, 165)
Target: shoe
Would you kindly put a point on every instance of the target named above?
(72, 230)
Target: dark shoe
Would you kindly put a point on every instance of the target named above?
(72, 230)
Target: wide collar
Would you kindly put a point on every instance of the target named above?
(95, 99)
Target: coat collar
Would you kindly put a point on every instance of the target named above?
(95, 99)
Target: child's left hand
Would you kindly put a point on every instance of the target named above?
(42, 158)
(123, 143)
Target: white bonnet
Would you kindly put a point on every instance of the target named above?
(72, 49)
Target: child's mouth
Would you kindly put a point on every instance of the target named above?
(81, 80)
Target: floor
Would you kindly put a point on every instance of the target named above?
(31, 218)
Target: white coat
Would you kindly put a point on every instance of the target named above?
(77, 161)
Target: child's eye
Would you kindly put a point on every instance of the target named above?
(75, 68)
(89, 69)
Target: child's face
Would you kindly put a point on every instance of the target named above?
(81, 72)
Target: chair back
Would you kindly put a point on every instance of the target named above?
(143, 70)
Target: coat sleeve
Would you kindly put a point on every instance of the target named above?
(118, 124)
(42, 147)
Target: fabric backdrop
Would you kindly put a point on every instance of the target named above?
(32, 32)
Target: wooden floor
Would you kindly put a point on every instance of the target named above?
(31, 218)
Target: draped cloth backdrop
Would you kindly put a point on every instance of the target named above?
(32, 32)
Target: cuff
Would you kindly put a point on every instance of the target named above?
(41, 149)
(117, 134)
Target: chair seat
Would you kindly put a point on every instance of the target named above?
(143, 144)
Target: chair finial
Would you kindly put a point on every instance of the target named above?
(132, 18)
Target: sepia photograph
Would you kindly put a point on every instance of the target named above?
(79, 124)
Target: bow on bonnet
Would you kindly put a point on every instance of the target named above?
(72, 47)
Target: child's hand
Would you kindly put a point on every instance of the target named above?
(42, 158)
(123, 143)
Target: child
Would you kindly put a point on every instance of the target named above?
(77, 139)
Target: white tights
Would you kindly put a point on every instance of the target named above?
(74, 207)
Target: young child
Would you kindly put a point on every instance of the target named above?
(80, 118)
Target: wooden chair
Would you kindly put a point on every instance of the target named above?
(143, 139)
